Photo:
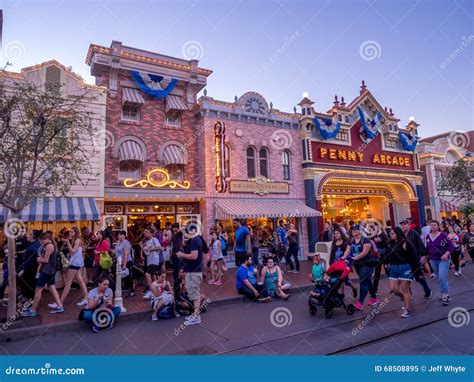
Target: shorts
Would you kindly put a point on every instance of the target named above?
(45, 279)
(153, 269)
(193, 284)
(89, 261)
(167, 299)
(74, 268)
(401, 272)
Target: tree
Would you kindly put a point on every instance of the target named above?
(46, 140)
(456, 184)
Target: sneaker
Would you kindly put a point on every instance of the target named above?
(445, 301)
(373, 301)
(211, 282)
(53, 305)
(456, 274)
(428, 296)
(358, 305)
(110, 326)
(82, 302)
(154, 317)
(265, 299)
(95, 329)
(217, 282)
(193, 320)
(441, 299)
(459, 270)
(433, 276)
(354, 293)
(131, 294)
(146, 291)
(296, 271)
(406, 314)
(58, 309)
(177, 315)
(28, 313)
(147, 296)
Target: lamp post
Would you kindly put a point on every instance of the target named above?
(118, 300)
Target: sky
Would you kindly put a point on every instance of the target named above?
(415, 56)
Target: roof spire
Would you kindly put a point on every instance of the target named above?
(336, 101)
(343, 103)
(363, 87)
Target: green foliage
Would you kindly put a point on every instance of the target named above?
(456, 182)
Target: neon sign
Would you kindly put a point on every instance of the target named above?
(158, 177)
(219, 143)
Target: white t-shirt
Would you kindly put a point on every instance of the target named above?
(121, 247)
(153, 258)
(93, 293)
(77, 260)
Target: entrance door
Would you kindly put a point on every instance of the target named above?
(116, 222)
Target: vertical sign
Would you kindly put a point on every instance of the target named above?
(219, 142)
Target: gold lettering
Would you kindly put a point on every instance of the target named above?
(332, 154)
(361, 156)
(383, 159)
(323, 152)
(389, 159)
(342, 154)
(376, 158)
(351, 155)
(407, 162)
(395, 161)
(401, 161)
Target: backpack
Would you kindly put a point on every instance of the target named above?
(105, 261)
(223, 242)
(375, 250)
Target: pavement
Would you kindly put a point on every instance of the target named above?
(281, 327)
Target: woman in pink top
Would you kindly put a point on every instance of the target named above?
(103, 245)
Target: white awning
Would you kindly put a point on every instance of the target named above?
(175, 103)
(238, 208)
(56, 209)
(173, 154)
(131, 151)
(132, 96)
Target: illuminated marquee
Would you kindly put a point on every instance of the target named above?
(356, 156)
(157, 177)
(219, 142)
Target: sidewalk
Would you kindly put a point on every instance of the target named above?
(136, 306)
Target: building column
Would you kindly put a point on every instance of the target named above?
(421, 204)
(415, 212)
(392, 214)
(312, 225)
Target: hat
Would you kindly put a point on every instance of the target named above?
(404, 221)
(356, 227)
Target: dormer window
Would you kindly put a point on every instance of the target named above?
(174, 109)
(339, 117)
(308, 111)
(303, 111)
(346, 119)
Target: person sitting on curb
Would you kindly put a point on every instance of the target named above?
(246, 282)
(162, 299)
(100, 310)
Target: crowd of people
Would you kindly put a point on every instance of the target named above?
(405, 253)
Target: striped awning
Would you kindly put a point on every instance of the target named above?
(448, 206)
(175, 103)
(56, 209)
(132, 96)
(227, 209)
(131, 151)
(173, 154)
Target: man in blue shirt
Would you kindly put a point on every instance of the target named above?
(246, 281)
(242, 245)
(282, 241)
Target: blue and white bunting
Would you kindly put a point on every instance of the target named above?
(326, 129)
(408, 141)
(375, 123)
(157, 86)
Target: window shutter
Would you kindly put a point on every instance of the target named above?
(53, 78)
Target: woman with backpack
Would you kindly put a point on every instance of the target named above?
(101, 249)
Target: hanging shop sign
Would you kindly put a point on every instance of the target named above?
(357, 156)
(219, 143)
(158, 178)
(259, 185)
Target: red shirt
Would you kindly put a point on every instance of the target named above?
(103, 246)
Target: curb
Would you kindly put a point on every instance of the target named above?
(41, 330)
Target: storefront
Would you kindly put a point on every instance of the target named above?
(358, 164)
(253, 171)
(437, 154)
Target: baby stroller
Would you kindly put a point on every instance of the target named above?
(333, 299)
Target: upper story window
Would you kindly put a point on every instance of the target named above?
(346, 119)
(263, 156)
(339, 117)
(286, 165)
(174, 119)
(131, 111)
(303, 110)
(130, 169)
(308, 111)
(227, 154)
(53, 78)
(251, 173)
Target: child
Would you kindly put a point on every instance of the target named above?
(322, 287)
(216, 259)
(162, 295)
(319, 266)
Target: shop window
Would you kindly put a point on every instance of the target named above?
(227, 160)
(130, 169)
(286, 165)
(251, 173)
(131, 112)
(263, 156)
